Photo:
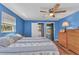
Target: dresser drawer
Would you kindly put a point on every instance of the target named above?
(73, 40)
(62, 39)
(74, 48)
(73, 33)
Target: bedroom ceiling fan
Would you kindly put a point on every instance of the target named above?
(54, 10)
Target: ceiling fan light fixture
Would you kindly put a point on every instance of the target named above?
(51, 14)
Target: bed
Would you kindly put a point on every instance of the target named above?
(30, 46)
(33, 39)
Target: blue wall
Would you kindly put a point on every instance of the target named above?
(18, 20)
(27, 28)
(73, 20)
(19, 26)
(56, 24)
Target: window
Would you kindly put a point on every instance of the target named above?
(8, 23)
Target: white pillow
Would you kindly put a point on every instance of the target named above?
(4, 42)
(13, 37)
(11, 40)
(19, 35)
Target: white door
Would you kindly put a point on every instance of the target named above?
(35, 32)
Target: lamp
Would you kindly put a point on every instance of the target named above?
(65, 24)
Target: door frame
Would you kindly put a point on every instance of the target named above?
(53, 27)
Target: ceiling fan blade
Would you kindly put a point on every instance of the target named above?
(62, 11)
(44, 11)
(56, 7)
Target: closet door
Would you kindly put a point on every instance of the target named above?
(35, 31)
(50, 31)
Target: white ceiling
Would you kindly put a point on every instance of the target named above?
(31, 11)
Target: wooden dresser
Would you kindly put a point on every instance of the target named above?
(62, 39)
(70, 40)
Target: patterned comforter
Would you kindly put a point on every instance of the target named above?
(31, 46)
